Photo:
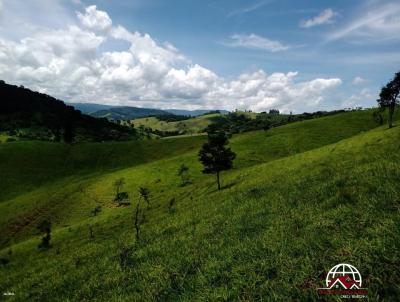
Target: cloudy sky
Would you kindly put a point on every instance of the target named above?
(249, 54)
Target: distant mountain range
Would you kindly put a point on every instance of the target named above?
(129, 113)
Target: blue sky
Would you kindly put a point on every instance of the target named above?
(291, 55)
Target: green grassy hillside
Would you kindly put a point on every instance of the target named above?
(192, 125)
(27, 164)
(302, 198)
(40, 162)
(58, 165)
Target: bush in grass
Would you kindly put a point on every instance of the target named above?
(183, 173)
(145, 194)
(120, 197)
(45, 228)
(96, 211)
(171, 204)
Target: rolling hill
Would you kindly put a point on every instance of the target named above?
(301, 198)
(32, 115)
(193, 125)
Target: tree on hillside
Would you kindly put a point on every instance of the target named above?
(145, 194)
(274, 111)
(214, 155)
(118, 185)
(182, 128)
(389, 96)
(45, 228)
(183, 173)
(120, 197)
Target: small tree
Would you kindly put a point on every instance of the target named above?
(214, 155)
(118, 185)
(145, 194)
(96, 211)
(183, 173)
(182, 128)
(120, 197)
(171, 204)
(137, 220)
(389, 96)
(45, 227)
(91, 233)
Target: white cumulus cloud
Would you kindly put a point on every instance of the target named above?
(95, 19)
(261, 91)
(70, 63)
(325, 17)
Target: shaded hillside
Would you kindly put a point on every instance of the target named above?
(28, 114)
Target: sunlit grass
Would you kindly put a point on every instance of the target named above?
(296, 203)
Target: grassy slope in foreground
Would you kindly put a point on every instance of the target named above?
(272, 232)
(61, 171)
(27, 165)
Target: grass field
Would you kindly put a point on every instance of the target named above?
(301, 198)
(192, 125)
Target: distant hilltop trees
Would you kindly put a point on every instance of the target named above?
(239, 121)
(389, 97)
